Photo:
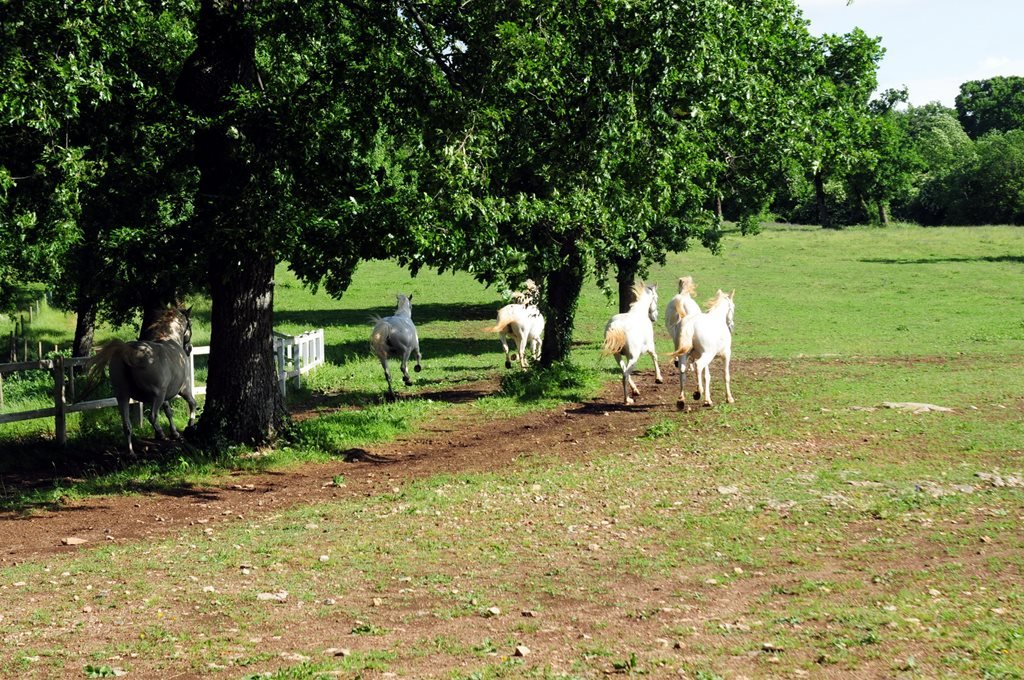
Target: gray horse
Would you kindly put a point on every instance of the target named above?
(152, 370)
(395, 336)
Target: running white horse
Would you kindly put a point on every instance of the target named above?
(521, 322)
(395, 336)
(681, 307)
(705, 337)
(630, 335)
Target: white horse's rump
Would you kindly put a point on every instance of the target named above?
(395, 336)
(524, 326)
(702, 338)
(630, 335)
(682, 307)
(522, 323)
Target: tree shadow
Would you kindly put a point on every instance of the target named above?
(1018, 259)
(430, 348)
(421, 315)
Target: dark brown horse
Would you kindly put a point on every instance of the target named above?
(152, 370)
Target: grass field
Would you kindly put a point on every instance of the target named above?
(801, 532)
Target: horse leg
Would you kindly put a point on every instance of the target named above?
(126, 422)
(628, 386)
(169, 412)
(704, 371)
(728, 389)
(657, 367)
(522, 348)
(387, 376)
(418, 367)
(186, 394)
(504, 345)
(154, 411)
(682, 362)
(405, 369)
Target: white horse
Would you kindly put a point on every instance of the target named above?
(395, 336)
(522, 322)
(705, 337)
(681, 307)
(630, 335)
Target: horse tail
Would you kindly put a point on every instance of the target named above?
(614, 341)
(503, 323)
(680, 309)
(379, 339)
(97, 364)
(685, 342)
(686, 285)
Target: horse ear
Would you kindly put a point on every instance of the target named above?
(187, 311)
(410, 297)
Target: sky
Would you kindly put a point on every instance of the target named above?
(932, 46)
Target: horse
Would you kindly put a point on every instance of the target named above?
(705, 337)
(522, 322)
(681, 307)
(630, 335)
(152, 370)
(395, 336)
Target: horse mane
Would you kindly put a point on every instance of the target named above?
(686, 285)
(166, 324)
(717, 300)
(639, 290)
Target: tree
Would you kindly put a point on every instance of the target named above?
(579, 140)
(838, 98)
(96, 187)
(994, 104)
(884, 169)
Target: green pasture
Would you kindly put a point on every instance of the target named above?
(800, 532)
(802, 293)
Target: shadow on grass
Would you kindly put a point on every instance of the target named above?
(1018, 259)
(421, 314)
(92, 467)
(430, 348)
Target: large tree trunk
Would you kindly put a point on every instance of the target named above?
(562, 294)
(243, 401)
(85, 327)
(883, 214)
(625, 276)
(819, 195)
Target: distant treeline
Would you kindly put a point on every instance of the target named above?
(942, 166)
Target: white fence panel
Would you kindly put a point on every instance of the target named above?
(296, 355)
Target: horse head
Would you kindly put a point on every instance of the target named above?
(186, 335)
(404, 307)
(652, 310)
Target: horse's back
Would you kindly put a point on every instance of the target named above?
(394, 334)
(147, 369)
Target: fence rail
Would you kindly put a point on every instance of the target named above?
(295, 356)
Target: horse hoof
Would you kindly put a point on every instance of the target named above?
(681, 405)
(417, 368)
(731, 400)
(508, 364)
(696, 396)
(407, 381)
(659, 380)
(707, 404)
(629, 402)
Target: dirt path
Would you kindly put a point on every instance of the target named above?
(450, 444)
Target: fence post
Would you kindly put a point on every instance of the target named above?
(282, 377)
(59, 405)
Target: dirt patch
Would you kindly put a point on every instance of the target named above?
(453, 443)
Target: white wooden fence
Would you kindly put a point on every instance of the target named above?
(295, 355)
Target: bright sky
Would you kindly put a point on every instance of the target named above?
(932, 46)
